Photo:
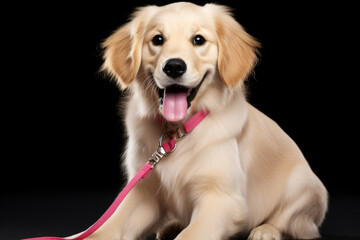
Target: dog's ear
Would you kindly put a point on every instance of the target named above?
(237, 49)
(122, 50)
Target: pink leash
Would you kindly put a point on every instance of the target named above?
(162, 150)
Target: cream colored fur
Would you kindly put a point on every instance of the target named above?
(237, 171)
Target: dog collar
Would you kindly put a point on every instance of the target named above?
(181, 131)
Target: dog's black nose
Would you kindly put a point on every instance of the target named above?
(174, 67)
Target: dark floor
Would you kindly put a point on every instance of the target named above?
(23, 216)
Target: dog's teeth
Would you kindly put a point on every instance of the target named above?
(161, 103)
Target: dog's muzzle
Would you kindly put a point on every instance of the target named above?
(176, 99)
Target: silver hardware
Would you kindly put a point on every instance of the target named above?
(160, 152)
(180, 131)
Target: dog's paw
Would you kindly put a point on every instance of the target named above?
(265, 232)
(169, 231)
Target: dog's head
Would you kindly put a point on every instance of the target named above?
(179, 57)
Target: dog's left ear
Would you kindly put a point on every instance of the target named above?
(237, 49)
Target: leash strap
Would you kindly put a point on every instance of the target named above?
(162, 150)
(144, 171)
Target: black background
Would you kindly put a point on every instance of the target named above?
(61, 132)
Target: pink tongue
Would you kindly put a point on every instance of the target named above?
(175, 106)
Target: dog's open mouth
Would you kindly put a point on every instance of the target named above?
(176, 99)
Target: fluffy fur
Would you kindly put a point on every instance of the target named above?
(237, 171)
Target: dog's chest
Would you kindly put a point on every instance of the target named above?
(177, 197)
(176, 174)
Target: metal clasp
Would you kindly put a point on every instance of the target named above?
(160, 152)
(180, 131)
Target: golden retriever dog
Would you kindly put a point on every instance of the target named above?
(237, 171)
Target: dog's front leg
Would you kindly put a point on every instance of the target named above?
(219, 209)
(136, 214)
(216, 216)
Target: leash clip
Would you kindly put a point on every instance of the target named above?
(160, 152)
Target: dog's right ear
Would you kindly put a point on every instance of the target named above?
(122, 50)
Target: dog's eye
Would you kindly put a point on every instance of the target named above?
(158, 40)
(199, 40)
